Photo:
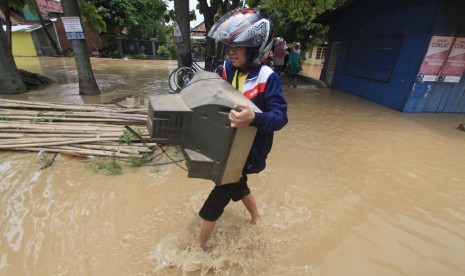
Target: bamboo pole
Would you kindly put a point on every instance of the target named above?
(76, 119)
(68, 142)
(49, 140)
(61, 106)
(16, 135)
(67, 152)
(19, 126)
(73, 129)
(79, 153)
(13, 112)
(59, 131)
(97, 152)
(115, 148)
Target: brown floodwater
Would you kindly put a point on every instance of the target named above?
(311, 70)
(351, 188)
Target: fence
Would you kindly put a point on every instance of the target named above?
(151, 49)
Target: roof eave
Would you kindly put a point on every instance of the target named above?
(328, 15)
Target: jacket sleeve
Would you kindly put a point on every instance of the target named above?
(273, 106)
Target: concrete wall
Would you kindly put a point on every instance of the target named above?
(23, 45)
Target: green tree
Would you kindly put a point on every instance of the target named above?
(153, 14)
(87, 83)
(118, 16)
(93, 20)
(143, 19)
(293, 19)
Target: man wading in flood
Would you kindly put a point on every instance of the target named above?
(249, 33)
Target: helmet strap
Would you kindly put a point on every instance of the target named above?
(252, 54)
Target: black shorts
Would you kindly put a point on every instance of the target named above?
(220, 196)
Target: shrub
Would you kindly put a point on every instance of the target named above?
(162, 51)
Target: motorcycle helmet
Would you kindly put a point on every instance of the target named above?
(251, 28)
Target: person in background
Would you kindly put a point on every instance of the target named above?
(286, 58)
(293, 66)
(279, 55)
(249, 33)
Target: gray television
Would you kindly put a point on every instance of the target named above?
(197, 119)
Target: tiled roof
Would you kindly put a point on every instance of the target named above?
(199, 30)
(47, 8)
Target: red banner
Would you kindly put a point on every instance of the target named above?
(455, 64)
(436, 56)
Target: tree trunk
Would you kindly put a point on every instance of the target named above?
(5, 7)
(208, 15)
(181, 8)
(87, 83)
(10, 79)
(47, 33)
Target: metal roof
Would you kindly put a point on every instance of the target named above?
(24, 28)
(325, 17)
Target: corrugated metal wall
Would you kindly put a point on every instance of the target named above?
(383, 44)
(441, 96)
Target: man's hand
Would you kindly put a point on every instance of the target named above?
(241, 115)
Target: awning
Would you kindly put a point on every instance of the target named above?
(326, 16)
(24, 28)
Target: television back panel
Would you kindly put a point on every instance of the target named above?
(168, 119)
(213, 149)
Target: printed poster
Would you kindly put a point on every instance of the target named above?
(73, 27)
(435, 58)
(455, 64)
(177, 35)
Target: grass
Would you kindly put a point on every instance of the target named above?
(109, 165)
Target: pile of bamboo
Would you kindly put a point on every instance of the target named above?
(79, 130)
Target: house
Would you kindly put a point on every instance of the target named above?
(316, 55)
(28, 34)
(24, 38)
(199, 32)
(407, 55)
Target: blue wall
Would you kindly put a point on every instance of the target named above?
(383, 43)
(441, 96)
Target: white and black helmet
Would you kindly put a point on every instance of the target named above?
(251, 28)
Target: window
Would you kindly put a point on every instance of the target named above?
(320, 53)
(373, 57)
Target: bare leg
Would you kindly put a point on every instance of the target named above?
(205, 232)
(249, 202)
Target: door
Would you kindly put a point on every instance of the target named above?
(332, 61)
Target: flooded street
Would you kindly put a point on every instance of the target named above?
(311, 70)
(351, 188)
(115, 77)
